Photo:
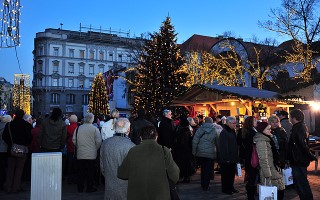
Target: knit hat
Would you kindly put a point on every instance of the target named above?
(261, 126)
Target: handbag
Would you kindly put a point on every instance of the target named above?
(17, 150)
(268, 192)
(75, 146)
(254, 157)
(287, 176)
(172, 187)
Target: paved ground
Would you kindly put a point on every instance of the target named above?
(191, 191)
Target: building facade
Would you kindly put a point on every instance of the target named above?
(6, 91)
(66, 62)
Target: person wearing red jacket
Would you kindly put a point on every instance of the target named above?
(71, 160)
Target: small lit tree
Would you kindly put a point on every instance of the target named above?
(98, 98)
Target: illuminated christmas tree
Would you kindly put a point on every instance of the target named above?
(98, 99)
(159, 77)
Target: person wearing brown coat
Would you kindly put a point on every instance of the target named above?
(267, 153)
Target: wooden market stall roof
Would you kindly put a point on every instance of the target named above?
(209, 93)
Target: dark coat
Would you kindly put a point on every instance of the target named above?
(298, 150)
(145, 169)
(53, 134)
(281, 136)
(182, 152)
(166, 132)
(135, 129)
(248, 147)
(228, 146)
(20, 132)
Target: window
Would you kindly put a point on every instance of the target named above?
(85, 99)
(129, 58)
(70, 83)
(101, 55)
(55, 98)
(71, 53)
(111, 56)
(55, 66)
(55, 51)
(91, 69)
(81, 53)
(81, 69)
(40, 51)
(101, 68)
(81, 83)
(39, 82)
(120, 58)
(91, 55)
(71, 99)
(55, 82)
(71, 68)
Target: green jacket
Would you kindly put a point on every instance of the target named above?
(145, 169)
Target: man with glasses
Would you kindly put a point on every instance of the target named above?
(166, 129)
(228, 155)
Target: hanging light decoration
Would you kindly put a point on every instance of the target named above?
(9, 34)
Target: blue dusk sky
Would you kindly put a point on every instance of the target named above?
(203, 17)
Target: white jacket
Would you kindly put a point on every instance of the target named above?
(107, 129)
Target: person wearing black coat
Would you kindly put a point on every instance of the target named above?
(21, 134)
(136, 126)
(281, 140)
(166, 130)
(299, 154)
(228, 155)
(182, 150)
(247, 133)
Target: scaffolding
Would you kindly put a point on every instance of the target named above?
(21, 92)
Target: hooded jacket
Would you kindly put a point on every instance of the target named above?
(53, 134)
(204, 141)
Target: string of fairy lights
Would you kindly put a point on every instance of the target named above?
(98, 97)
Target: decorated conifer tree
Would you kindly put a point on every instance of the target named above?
(159, 77)
(98, 98)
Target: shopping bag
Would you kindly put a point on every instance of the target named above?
(287, 176)
(267, 192)
(239, 170)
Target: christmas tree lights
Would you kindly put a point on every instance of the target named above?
(21, 92)
(159, 76)
(98, 98)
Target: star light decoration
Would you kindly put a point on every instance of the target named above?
(9, 21)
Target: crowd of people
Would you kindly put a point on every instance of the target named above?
(139, 158)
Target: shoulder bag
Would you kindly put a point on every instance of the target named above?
(254, 157)
(75, 146)
(17, 150)
(172, 187)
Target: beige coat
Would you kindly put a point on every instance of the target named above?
(267, 168)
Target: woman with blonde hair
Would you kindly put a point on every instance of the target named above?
(280, 139)
(108, 128)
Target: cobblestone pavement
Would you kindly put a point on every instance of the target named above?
(190, 191)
